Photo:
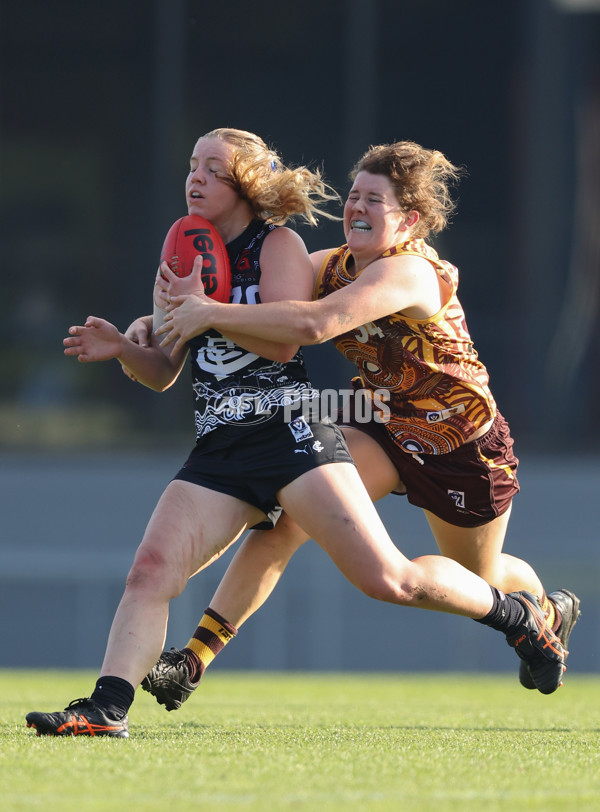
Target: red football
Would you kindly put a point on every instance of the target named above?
(192, 235)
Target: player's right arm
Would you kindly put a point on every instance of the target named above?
(140, 329)
(99, 340)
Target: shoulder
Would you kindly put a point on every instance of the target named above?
(402, 265)
(282, 241)
(409, 283)
(286, 272)
(282, 236)
(318, 257)
(424, 270)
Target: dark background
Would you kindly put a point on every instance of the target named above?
(102, 103)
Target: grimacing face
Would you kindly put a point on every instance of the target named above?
(373, 219)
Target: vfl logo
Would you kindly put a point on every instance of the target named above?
(458, 497)
(204, 245)
(444, 414)
(300, 429)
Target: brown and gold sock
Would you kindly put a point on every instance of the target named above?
(211, 636)
(552, 614)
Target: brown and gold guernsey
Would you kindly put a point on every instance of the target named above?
(426, 371)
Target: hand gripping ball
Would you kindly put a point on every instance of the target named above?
(192, 235)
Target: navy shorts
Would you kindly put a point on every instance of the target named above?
(262, 460)
(467, 487)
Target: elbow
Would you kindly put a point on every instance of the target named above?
(312, 331)
(155, 387)
(158, 384)
(162, 386)
(284, 353)
(305, 336)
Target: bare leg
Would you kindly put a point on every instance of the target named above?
(480, 550)
(334, 509)
(344, 522)
(255, 570)
(262, 557)
(177, 543)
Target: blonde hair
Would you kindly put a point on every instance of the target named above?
(275, 192)
(421, 179)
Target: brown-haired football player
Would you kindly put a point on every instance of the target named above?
(255, 454)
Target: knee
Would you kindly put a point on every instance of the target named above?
(151, 573)
(404, 589)
(286, 538)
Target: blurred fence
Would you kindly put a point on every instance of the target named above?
(70, 526)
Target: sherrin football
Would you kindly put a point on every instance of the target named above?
(192, 235)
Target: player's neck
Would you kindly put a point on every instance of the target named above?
(235, 222)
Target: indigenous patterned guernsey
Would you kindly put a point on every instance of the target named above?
(437, 387)
(234, 387)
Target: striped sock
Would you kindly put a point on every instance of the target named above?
(211, 636)
(552, 616)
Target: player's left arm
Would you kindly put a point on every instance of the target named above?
(404, 284)
(286, 274)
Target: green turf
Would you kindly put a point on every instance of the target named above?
(314, 743)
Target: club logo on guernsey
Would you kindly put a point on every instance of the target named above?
(221, 357)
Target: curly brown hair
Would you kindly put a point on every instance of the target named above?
(275, 192)
(421, 180)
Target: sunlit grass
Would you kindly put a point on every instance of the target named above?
(312, 742)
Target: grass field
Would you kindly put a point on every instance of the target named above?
(313, 742)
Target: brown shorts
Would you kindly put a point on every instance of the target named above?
(467, 487)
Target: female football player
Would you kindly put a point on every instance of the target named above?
(444, 443)
(244, 466)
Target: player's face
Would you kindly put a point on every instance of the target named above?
(206, 191)
(373, 219)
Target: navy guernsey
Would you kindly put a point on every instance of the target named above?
(234, 388)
